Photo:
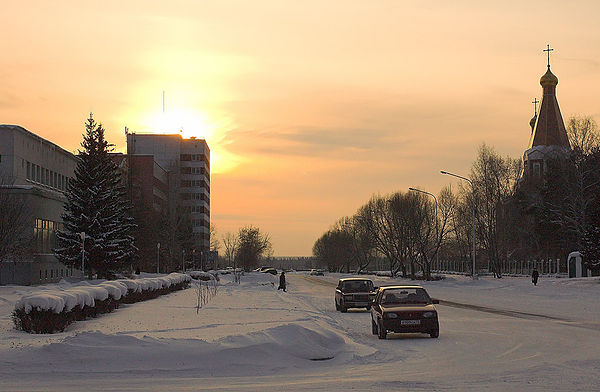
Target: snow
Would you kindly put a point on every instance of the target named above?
(253, 337)
(66, 298)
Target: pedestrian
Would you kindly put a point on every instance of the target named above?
(282, 281)
(534, 276)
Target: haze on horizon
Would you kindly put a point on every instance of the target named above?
(308, 107)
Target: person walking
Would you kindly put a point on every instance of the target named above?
(534, 276)
(281, 281)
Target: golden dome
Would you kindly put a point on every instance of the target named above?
(548, 79)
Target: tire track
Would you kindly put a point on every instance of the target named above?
(502, 312)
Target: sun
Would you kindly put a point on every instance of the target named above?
(186, 122)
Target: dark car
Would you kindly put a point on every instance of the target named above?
(404, 309)
(271, 271)
(354, 293)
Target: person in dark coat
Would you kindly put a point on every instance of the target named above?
(282, 281)
(534, 276)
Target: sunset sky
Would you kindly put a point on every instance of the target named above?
(309, 107)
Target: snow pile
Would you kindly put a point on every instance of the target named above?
(201, 275)
(67, 299)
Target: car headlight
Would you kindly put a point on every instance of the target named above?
(428, 314)
(390, 315)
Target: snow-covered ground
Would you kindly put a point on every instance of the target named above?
(253, 337)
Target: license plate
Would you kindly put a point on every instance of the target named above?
(410, 322)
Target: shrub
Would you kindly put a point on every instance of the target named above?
(51, 312)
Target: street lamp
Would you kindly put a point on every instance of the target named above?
(183, 259)
(193, 261)
(437, 253)
(473, 202)
(82, 236)
(158, 257)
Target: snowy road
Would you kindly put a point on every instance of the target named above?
(252, 337)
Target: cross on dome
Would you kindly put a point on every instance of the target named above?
(535, 102)
(548, 49)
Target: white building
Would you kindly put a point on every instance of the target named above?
(35, 170)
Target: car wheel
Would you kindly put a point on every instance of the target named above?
(343, 309)
(435, 333)
(374, 327)
(381, 331)
(337, 307)
(368, 307)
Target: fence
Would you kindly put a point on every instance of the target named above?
(508, 267)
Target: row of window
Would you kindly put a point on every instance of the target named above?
(192, 170)
(47, 177)
(63, 273)
(195, 196)
(193, 157)
(195, 209)
(44, 235)
(199, 223)
(193, 183)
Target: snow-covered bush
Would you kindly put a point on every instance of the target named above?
(52, 311)
(205, 276)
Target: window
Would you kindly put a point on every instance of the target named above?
(536, 169)
(28, 170)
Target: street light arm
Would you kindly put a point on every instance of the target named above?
(425, 192)
(456, 175)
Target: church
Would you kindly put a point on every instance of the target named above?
(549, 138)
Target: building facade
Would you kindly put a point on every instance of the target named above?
(187, 162)
(35, 171)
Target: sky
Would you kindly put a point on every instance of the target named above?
(309, 107)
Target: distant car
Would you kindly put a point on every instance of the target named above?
(404, 309)
(271, 271)
(315, 272)
(354, 293)
(262, 269)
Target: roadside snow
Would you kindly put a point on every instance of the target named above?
(253, 337)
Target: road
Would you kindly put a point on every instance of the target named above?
(478, 346)
(165, 345)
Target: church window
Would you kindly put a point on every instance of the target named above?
(536, 169)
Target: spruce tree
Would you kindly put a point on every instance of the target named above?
(96, 205)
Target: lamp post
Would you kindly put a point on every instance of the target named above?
(437, 253)
(158, 257)
(473, 202)
(183, 259)
(193, 261)
(82, 236)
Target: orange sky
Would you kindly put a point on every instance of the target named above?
(308, 107)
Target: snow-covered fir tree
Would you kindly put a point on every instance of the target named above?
(97, 206)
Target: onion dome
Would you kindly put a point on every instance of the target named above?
(532, 121)
(548, 79)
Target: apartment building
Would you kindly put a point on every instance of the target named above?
(188, 163)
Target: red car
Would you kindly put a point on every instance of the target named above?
(404, 309)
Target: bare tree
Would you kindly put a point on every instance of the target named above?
(583, 133)
(252, 246)
(16, 221)
(494, 179)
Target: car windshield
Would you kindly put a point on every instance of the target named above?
(357, 286)
(405, 296)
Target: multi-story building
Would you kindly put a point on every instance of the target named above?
(35, 171)
(147, 185)
(188, 164)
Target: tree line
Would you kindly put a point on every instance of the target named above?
(516, 217)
